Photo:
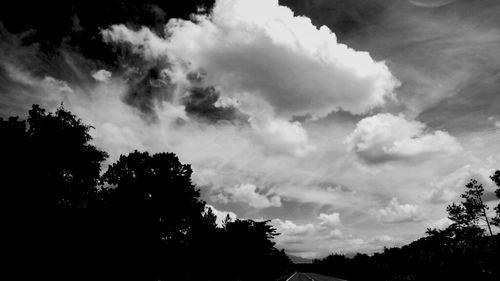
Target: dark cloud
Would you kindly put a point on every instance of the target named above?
(344, 17)
(202, 103)
(147, 90)
(341, 116)
(75, 24)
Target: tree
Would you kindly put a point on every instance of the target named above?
(157, 188)
(50, 173)
(468, 213)
(158, 212)
(496, 178)
(249, 251)
(142, 220)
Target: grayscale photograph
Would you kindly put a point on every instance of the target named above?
(250, 140)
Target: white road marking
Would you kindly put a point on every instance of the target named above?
(291, 276)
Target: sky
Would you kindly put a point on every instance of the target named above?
(349, 124)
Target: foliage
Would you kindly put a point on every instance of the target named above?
(496, 178)
(141, 220)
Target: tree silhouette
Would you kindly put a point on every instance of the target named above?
(250, 247)
(143, 219)
(50, 163)
(467, 215)
(49, 172)
(158, 207)
(496, 178)
(64, 161)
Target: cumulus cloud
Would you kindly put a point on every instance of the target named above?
(315, 240)
(398, 213)
(288, 228)
(385, 137)
(101, 75)
(328, 228)
(330, 225)
(450, 186)
(297, 238)
(261, 48)
(281, 135)
(249, 194)
(276, 65)
(330, 220)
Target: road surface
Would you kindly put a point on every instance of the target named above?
(300, 276)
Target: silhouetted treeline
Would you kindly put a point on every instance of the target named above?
(142, 219)
(465, 250)
(429, 258)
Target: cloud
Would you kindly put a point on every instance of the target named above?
(330, 220)
(282, 136)
(385, 137)
(398, 213)
(382, 239)
(297, 238)
(142, 41)
(288, 228)
(221, 215)
(101, 75)
(330, 226)
(316, 240)
(441, 223)
(441, 195)
(261, 48)
(449, 187)
(249, 194)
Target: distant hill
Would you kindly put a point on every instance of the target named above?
(296, 259)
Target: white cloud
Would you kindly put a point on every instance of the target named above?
(221, 215)
(282, 136)
(381, 239)
(441, 223)
(397, 213)
(309, 240)
(385, 137)
(142, 41)
(249, 194)
(441, 195)
(101, 75)
(330, 220)
(450, 186)
(288, 228)
(261, 48)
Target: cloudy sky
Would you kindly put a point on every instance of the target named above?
(351, 124)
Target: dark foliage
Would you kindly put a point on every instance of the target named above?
(141, 220)
(496, 178)
(435, 257)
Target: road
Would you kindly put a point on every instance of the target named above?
(300, 276)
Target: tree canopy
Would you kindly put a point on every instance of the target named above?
(142, 219)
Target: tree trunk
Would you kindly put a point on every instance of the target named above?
(487, 221)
